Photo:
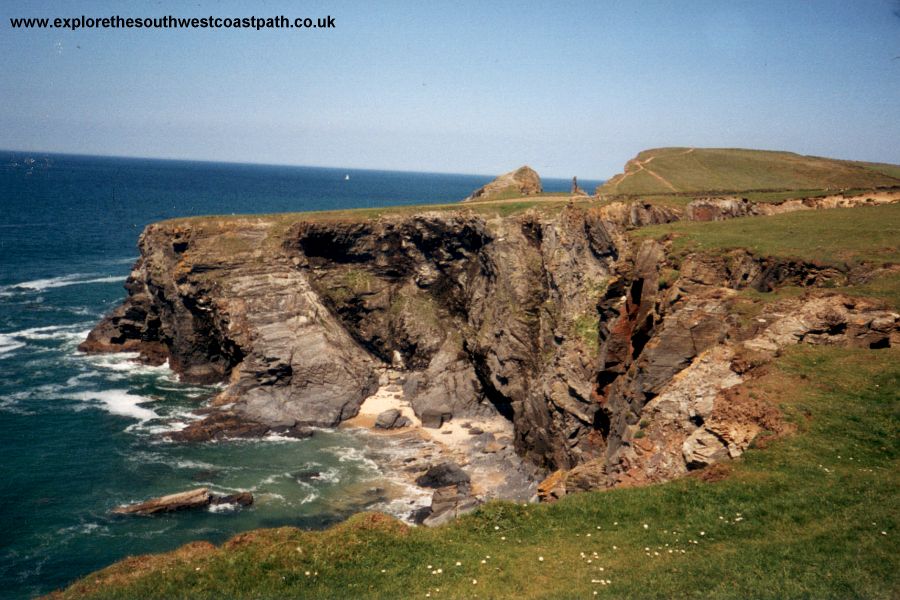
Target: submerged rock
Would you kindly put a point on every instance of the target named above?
(197, 498)
(218, 426)
(239, 499)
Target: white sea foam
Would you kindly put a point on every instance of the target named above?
(328, 476)
(275, 437)
(118, 402)
(196, 464)
(77, 379)
(309, 497)
(83, 529)
(222, 508)
(272, 479)
(50, 332)
(8, 343)
(356, 455)
(126, 362)
(38, 285)
(266, 496)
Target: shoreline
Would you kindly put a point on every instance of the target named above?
(482, 446)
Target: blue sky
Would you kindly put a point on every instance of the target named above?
(571, 88)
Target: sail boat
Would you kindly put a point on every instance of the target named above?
(347, 177)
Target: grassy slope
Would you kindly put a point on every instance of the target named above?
(862, 234)
(813, 506)
(712, 169)
(814, 515)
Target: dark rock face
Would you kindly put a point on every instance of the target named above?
(555, 322)
(391, 419)
(442, 475)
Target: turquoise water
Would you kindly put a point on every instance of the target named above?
(79, 435)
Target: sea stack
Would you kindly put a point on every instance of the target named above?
(524, 181)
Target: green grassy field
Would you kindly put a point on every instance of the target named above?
(666, 170)
(868, 233)
(813, 515)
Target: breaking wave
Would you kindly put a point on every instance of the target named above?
(38, 285)
(118, 402)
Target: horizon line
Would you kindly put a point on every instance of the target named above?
(266, 164)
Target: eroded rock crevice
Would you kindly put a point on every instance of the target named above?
(616, 363)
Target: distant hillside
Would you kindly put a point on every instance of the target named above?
(668, 170)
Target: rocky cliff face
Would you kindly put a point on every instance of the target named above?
(608, 359)
(490, 316)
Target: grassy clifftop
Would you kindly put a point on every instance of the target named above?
(687, 170)
(812, 516)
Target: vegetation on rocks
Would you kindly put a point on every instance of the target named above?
(870, 234)
(813, 515)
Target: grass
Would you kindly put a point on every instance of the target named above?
(813, 515)
(550, 202)
(708, 169)
(870, 234)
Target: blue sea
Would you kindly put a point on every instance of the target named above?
(79, 434)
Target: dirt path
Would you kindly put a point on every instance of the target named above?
(642, 166)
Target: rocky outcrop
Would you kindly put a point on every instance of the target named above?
(452, 495)
(198, 498)
(228, 425)
(730, 207)
(674, 355)
(612, 363)
(524, 181)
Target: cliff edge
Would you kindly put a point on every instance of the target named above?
(605, 354)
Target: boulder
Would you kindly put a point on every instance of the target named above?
(449, 502)
(702, 449)
(391, 419)
(434, 418)
(241, 499)
(442, 475)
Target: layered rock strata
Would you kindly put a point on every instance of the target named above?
(612, 365)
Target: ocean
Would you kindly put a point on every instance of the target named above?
(80, 434)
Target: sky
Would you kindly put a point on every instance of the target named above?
(570, 88)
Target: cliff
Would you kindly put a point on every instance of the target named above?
(524, 181)
(608, 355)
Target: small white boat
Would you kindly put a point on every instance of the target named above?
(347, 177)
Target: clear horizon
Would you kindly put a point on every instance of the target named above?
(570, 89)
